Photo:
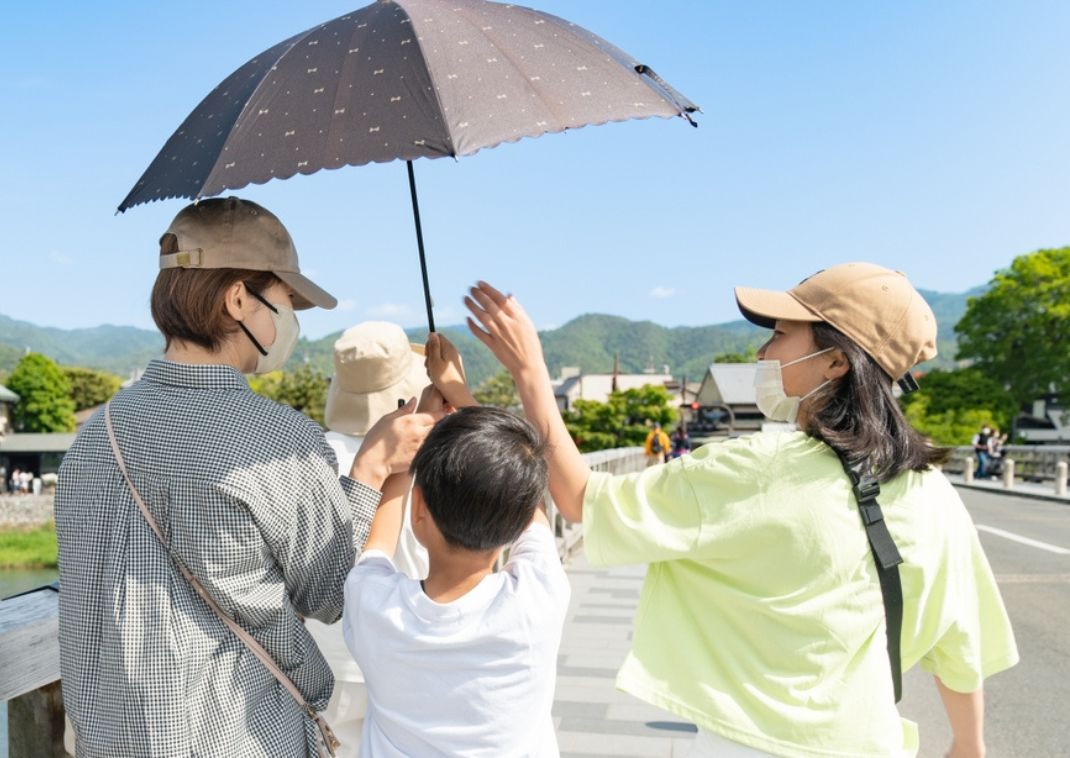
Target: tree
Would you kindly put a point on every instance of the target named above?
(499, 390)
(950, 406)
(90, 388)
(750, 356)
(304, 390)
(44, 403)
(1018, 332)
(622, 421)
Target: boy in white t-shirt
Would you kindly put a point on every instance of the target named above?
(463, 663)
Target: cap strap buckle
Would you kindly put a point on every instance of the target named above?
(182, 259)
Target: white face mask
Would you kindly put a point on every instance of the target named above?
(769, 393)
(287, 330)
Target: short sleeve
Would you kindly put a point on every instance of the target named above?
(640, 518)
(978, 641)
(672, 511)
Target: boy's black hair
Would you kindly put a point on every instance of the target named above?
(482, 474)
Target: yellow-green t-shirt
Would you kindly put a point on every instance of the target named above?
(761, 617)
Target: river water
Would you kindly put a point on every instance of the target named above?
(12, 582)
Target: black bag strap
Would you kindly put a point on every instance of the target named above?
(885, 555)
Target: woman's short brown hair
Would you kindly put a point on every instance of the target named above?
(188, 303)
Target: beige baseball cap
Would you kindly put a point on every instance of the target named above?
(375, 365)
(876, 307)
(228, 232)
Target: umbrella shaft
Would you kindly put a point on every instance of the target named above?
(420, 245)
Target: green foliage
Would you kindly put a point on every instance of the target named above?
(1018, 332)
(750, 356)
(89, 387)
(499, 390)
(28, 548)
(304, 390)
(948, 399)
(954, 426)
(118, 349)
(622, 421)
(44, 396)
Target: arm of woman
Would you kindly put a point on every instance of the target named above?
(500, 323)
(966, 714)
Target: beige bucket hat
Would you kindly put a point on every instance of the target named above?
(375, 365)
(876, 307)
(228, 232)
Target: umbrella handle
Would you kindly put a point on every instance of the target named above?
(420, 245)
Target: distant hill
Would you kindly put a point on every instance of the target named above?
(118, 349)
(589, 342)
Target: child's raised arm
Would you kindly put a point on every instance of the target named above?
(502, 325)
(446, 371)
(386, 526)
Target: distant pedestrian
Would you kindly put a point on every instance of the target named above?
(681, 442)
(657, 445)
(981, 450)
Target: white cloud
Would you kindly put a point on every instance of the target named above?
(661, 292)
(347, 304)
(62, 259)
(391, 310)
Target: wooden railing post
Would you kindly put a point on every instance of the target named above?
(29, 682)
(967, 471)
(35, 724)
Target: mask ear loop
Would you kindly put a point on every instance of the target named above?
(244, 328)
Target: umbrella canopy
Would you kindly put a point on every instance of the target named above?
(402, 79)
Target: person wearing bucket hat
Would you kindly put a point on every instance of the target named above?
(768, 616)
(247, 495)
(375, 367)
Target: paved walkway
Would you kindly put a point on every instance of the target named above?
(593, 718)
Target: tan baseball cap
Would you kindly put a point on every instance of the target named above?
(228, 232)
(375, 365)
(876, 307)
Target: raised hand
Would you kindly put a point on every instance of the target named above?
(446, 371)
(390, 445)
(500, 323)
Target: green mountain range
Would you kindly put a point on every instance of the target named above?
(588, 342)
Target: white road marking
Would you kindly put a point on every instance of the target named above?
(1024, 540)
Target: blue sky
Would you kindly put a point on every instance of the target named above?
(929, 137)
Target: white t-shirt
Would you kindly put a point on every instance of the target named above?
(410, 556)
(471, 677)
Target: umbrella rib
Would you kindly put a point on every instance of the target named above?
(478, 29)
(249, 100)
(434, 85)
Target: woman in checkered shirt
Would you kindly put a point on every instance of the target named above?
(247, 495)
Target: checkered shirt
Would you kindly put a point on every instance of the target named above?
(247, 493)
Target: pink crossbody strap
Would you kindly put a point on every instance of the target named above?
(329, 740)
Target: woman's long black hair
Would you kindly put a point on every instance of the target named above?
(859, 417)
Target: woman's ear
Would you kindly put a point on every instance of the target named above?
(235, 299)
(838, 365)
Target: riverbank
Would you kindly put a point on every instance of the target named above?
(28, 547)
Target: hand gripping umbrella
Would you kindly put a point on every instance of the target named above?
(402, 79)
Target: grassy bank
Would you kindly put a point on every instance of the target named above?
(28, 548)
